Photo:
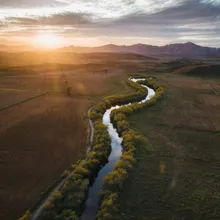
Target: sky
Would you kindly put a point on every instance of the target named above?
(56, 23)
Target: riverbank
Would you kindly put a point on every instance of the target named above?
(131, 142)
(180, 178)
(93, 201)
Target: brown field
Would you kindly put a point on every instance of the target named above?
(180, 179)
(42, 137)
(67, 58)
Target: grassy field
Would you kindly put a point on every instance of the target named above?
(180, 179)
(42, 137)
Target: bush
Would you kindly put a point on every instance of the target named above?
(82, 171)
(93, 165)
(107, 207)
(26, 216)
(126, 165)
(115, 179)
(67, 214)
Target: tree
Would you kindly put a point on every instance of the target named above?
(67, 215)
(69, 90)
(26, 216)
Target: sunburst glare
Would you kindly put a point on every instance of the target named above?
(47, 40)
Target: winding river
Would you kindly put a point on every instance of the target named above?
(92, 202)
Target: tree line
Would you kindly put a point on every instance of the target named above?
(114, 181)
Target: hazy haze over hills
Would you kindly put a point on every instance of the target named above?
(180, 49)
(187, 49)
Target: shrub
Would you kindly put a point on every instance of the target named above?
(107, 207)
(126, 165)
(126, 156)
(92, 164)
(26, 216)
(82, 171)
(65, 174)
(115, 179)
(67, 214)
(119, 117)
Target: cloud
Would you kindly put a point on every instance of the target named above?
(193, 18)
(184, 14)
(187, 13)
(30, 3)
(164, 20)
(68, 18)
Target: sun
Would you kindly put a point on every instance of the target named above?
(45, 40)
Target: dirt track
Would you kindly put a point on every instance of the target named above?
(38, 211)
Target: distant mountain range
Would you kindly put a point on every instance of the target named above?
(185, 49)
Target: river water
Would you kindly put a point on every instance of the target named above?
(92, 202)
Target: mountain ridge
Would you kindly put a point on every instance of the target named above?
(187, 49)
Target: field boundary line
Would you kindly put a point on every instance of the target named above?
(212, 88)
(21, 102)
